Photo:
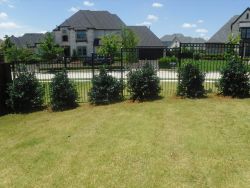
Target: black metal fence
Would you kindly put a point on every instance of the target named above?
(5, 79)
(210, 58)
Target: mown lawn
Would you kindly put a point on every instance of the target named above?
(209, 65)
(166, 143)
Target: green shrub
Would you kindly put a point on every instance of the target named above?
(63, 92)
(191, 82)
(168, 62)
(106, 89)
(235, 79)
(143, 84)
(25, 93)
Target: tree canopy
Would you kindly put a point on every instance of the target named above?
(129, 38)
(48, 50)
(110, 45)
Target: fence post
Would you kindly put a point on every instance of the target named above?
(92, 64)
(122, 70)
(179, 63)
(65, 63)
(13, 69)
(5, 79)
(242, 49)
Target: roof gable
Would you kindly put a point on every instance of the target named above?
(146, 37)
(221, 36)
(248, 9)
(101, 20)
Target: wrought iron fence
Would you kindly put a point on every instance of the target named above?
(210, 58)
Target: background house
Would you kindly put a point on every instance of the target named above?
(29, 40)
(83, 30)
(173, 41)
(238, 25)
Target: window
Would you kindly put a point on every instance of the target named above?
(64, 31)
(97, 42)
(248, 33)
(81, 51)
(247, 17)
(245, 33)
(81, 36)
(65, 38)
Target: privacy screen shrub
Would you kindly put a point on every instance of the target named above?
(235, 79)
(63, 92)
(105, 89)
(191, 82)
(25, 93)
(143, 84)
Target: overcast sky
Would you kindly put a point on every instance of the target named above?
(197, 18)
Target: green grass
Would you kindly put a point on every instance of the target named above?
(208, 65)
(166, 143)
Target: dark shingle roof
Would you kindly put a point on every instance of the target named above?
(168, 39)
(86, 19)
(146, 37)
(222, 35)
(27, 40)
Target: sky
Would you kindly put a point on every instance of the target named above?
(196, 18)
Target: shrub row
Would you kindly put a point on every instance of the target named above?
(26, 93)
(143, 84)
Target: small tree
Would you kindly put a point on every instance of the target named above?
(48, 50)
(63, 92)
(191, 82)
(143, 84)
(231, 51)
(5, 46)
(234, 39)
(129, 41)
(7, 43)
(106, 89)
(129, 38)
(19, 54)
(25, 93)
(111, 45)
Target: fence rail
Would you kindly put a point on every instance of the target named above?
(210, 58)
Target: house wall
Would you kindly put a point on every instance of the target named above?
(91, 36)
(236, 25)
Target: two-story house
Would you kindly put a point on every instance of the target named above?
(82, 31)
(237, 25)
